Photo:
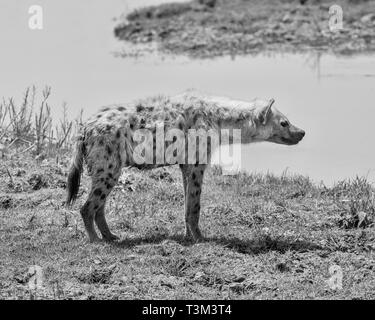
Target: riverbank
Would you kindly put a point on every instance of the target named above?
(216, 28)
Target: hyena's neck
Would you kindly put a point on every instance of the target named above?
(236, 123)
(225, 115)
(230, 114)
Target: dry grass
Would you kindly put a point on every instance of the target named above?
(267, 237)
(27, 128)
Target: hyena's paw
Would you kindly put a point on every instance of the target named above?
(198, 239)
(95, 239)
(195, 237)
(188, 235)
(111, 237)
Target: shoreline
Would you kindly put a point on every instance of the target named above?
(232, 28)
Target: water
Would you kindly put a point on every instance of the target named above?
(331, 98)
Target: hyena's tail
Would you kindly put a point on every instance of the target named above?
(74, 177)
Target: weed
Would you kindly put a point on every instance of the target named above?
(24, 129)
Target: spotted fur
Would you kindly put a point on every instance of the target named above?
(106, 144)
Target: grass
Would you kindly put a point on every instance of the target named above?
(208, 28)
(267, 237)
(27, 128)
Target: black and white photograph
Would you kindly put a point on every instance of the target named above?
(202, 150)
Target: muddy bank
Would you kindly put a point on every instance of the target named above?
(207, 28)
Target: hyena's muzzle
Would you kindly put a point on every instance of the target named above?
(288, 136)
(294, 136)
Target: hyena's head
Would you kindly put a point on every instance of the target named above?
(273, 126)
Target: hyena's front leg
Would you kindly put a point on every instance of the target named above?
(193, 178)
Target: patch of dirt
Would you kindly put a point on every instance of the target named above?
(37, 181)
(6, 202)
(97, 275)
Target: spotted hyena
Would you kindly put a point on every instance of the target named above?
(108, 143)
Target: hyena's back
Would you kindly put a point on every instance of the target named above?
(109, 135)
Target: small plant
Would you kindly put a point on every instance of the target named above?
(64, 130)
(21, 118)
(19, 130)
(43, 121)
(3, 115)
(356, 200)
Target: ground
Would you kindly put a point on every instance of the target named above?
(266, 237)
(208, 28)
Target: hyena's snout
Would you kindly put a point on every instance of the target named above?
(288, 136)
(296, 135)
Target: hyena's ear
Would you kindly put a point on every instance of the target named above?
(265, 112)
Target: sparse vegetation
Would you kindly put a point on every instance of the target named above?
(266, 236)
(25, 128)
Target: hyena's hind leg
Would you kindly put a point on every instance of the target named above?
(108, 180)
(94, 208)
(88, 214)
(105, 173)
(184, 172)
(193, 179)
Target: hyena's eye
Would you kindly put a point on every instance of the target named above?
(284, 123)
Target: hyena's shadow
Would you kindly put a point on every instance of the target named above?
(244, 246)
(150, 239)
(258, 246)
